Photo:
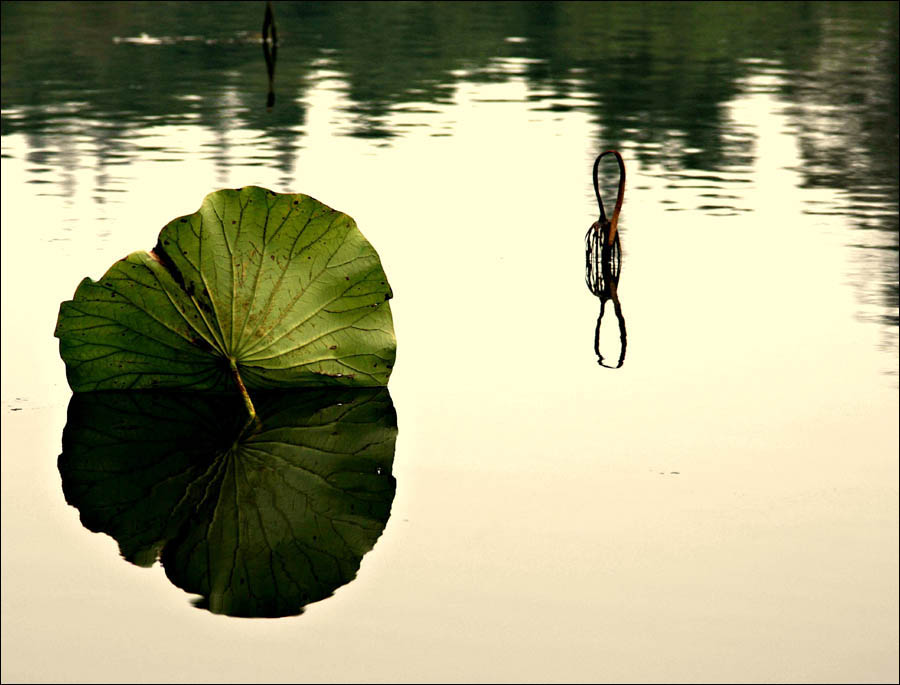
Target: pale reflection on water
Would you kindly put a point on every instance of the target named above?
(722, 507)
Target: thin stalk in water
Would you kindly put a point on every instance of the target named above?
(244, 394)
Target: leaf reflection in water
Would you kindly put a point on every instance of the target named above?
(259, 525)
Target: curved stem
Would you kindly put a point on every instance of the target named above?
(244, 394)
(597, 187)
(614, 221)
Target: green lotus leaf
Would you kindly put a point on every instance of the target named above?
(259, 523)
(272, 290)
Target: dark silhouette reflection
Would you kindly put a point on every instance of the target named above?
(259, 525)
(270, 52)
(603, 259)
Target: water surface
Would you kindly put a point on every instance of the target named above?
(723, 507)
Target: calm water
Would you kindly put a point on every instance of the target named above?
(723, 507)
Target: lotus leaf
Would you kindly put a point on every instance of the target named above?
(256, 288)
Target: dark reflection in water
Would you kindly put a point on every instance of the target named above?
(259, 525)
(845, 114)
(655, 79)
(270, 52)
(603, 259)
